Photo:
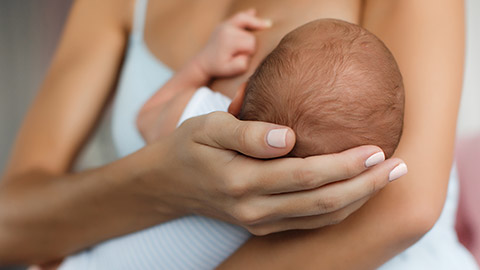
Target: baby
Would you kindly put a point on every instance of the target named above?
(334, 83)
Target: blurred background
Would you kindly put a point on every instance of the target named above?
(30, 29)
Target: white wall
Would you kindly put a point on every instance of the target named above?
(469, 117)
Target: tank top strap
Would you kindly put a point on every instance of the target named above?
(139, 18)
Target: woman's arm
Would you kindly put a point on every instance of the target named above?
(39, 200)
(427, 39)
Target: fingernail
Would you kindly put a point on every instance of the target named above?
(398, 171)
(277, 138)
(375, 159)
(268, 22)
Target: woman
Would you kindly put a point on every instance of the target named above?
(139, 190)
(155, 184)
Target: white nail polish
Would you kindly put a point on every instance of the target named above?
(277, 138)
(398, 171)
(374, 159)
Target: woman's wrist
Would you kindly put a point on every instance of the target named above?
(150, 184)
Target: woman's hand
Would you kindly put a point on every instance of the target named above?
(264, 196)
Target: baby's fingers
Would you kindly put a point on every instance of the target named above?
(238, 64)
(243, 42)
(248, 20)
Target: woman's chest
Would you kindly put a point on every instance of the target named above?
(176, 29)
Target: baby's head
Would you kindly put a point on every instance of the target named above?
(335, 84)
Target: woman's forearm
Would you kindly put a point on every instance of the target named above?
(45, 217)
(429, 50)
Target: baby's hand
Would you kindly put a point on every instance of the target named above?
(231, 45)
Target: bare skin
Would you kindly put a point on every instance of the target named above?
(48, 212)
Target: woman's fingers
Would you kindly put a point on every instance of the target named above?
(254, 139)
(263, 209)
(307, 222)
(329, 198)
(297, 174)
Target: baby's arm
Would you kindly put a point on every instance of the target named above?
(227, 53)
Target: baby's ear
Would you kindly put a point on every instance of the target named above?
(237, 101)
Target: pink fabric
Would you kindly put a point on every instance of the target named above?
(468, 214)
